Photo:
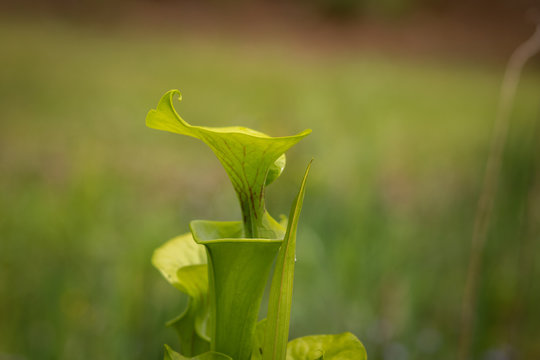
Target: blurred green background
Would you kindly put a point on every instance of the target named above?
(401, 134)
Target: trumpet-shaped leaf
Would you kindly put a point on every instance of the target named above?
(250, 158)
(326, 347)
(183, 263)
(238, 271)
(170, 354)
(279, 306)
(224, 266)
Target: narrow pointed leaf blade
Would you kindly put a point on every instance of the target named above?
(327, 347)
(279, 307)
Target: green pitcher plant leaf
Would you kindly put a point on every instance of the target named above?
(326, 347)
(223, 266)
(238, 272)
(250, 158)
(170, 354)
(183, 263)
(279, 306)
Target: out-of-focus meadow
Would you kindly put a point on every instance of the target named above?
(400, 146)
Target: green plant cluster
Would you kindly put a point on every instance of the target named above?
(224, 266)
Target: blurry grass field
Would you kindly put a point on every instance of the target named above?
(87, 192)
